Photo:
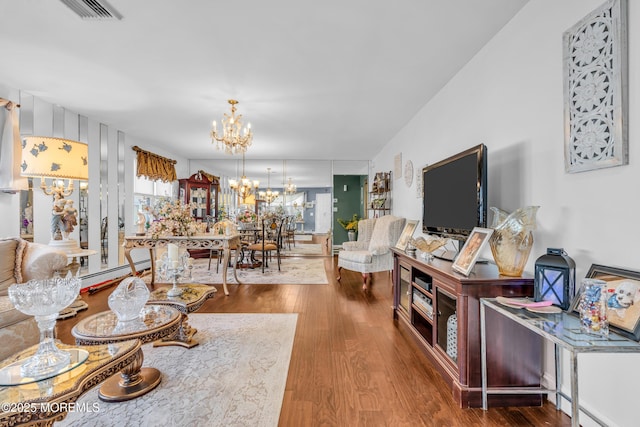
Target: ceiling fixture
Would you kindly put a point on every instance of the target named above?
(269, 195)
(244, 187)
(234, 139)
(290, 188)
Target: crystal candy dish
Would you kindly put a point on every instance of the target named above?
(43, 299)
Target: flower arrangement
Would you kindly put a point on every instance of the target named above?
(247, 216)
(349, 225)
(171, 218)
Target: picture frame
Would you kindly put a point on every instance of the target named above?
(624, 285)
(378, 203)
(468, 255)
(407, 233)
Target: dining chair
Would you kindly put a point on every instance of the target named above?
(290, 231)
(269, 240)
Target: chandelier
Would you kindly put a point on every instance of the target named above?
(234, 139)
(244, 187)
(290, 188)
(269, 196)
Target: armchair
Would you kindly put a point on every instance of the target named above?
(21, 261)
(365, 229)
(377, 255)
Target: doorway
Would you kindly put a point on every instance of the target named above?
(323, 212)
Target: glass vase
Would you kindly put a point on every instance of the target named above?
(593, 307)
(512, 239)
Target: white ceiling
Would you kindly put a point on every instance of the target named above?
(331, 79)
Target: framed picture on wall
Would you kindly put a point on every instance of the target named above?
(406, 234)
(468, 256)
(623, 300)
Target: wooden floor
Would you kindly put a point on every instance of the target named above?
(351, 365)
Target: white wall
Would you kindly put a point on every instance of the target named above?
(510, 97)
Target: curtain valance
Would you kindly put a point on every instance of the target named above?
(214, 179)
(155, 167)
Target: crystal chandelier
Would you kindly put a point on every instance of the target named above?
(244, 187)
(269, 196)
(234, 139)
(290, 188)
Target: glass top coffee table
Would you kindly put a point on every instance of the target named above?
(191, 299)
(44, 401)
(155, 322)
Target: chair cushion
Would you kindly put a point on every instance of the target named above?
(258, 247)
(364, 257)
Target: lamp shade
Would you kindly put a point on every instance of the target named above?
(555, 278)
(44, 156)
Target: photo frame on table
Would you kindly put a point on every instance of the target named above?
(623, 304)
(468, 255)
(407, 233)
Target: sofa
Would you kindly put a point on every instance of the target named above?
(377, 255)
(21, 261)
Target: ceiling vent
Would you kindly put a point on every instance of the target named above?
(93, 9)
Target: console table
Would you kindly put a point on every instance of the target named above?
(44, 402)
(563, 330)
(198, 241)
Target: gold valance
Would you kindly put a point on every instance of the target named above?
(155, 167)
(214, 179)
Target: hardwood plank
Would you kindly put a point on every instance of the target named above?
(351, 365)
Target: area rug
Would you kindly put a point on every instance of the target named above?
(293, 271)
(303, 249)
(235, 377)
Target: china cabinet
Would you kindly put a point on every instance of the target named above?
(202, 191)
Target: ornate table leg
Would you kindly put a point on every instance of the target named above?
(227, 252)
(238, 259)
(183, 337)
(134, 381)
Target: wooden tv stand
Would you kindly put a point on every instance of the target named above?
(514, 356)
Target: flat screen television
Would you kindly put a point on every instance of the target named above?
(455, 194)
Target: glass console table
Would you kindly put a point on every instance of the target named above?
(563, 330)
(42, 402)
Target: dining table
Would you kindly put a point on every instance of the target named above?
(197, 241)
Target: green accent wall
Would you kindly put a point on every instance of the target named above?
(346, 203)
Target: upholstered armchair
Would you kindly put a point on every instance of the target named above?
(377, 256)
(365, 229)
(21, 261)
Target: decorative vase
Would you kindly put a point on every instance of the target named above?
(127, 300)
(512, 239)
(351, 235)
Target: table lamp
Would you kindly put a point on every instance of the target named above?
(57, 158)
